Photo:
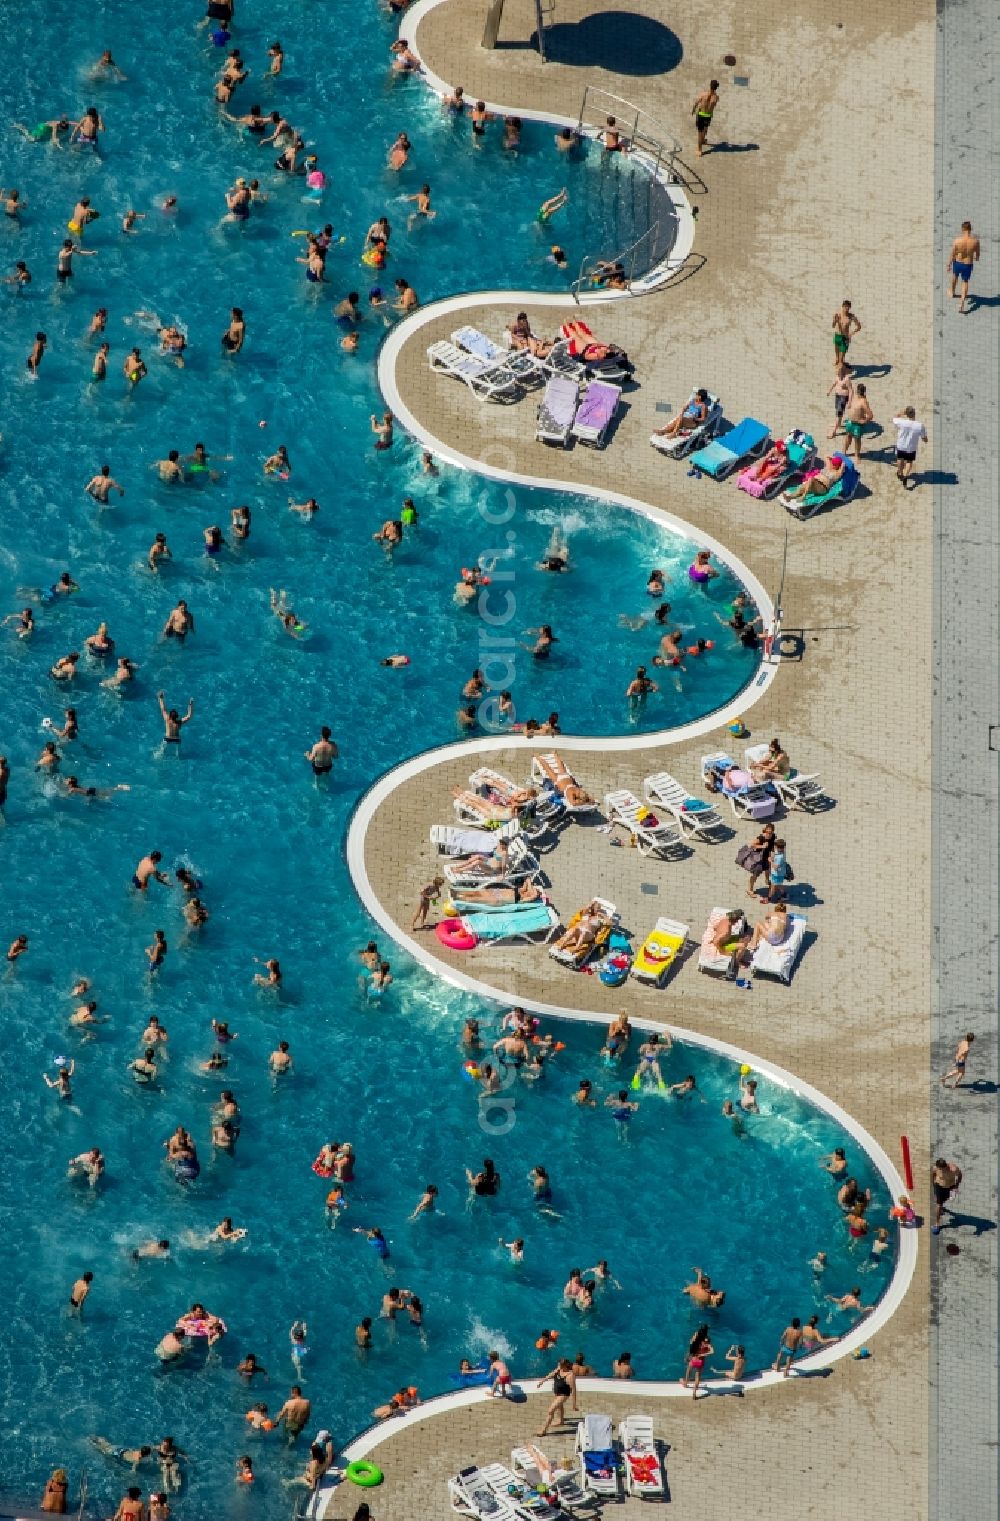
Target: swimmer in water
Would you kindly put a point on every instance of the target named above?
(278, 463)
(292, 625)
(173, 722)
(556, 554)
(101, 485)
(555, 203)
(158, 550)
(423, 204)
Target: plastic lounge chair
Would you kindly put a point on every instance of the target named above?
(560, 361)
(658, 952)
(520, 864)
(520, 922)
(598, 1459)
(724, 455)
(525, 1499)
(779, 960)
(556, 410)
(800, 451)
(455, 840)
(709, 959)
(694, 816)
(803, 507)
(794, 790)
(467, 811)
(652, 835)
(579, 958)
(683, 443)
(642, 1468)
(562, 1485)
(519, 362)
(596, 413)
(540, 778)
(490, 382)
(471, 1494)
(747, 802)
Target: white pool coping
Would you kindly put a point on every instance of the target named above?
(370, 1440)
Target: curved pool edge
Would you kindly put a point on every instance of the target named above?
(661, 273)
(780, 1076)
(373, 1437)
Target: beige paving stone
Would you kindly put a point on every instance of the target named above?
(843, 115)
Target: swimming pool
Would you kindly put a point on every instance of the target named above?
(239, 805)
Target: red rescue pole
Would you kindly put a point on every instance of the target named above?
(907, 1165)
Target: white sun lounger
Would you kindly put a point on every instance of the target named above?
(519, 1493)
(598, 1459)
(520, 864)
(750, 802)
(708, 959)
(795, 790)
(519, 362)
(779, 960)
(694, 817)
(562, 1484)
(490, 382)
(521, 921)
(556, 410)
(577, 959)
(455, 840)
(471, 1494)
(539, 777)
(596, 413)
(643, 1470)
(684, 443)
(559, 361)
(652, 835)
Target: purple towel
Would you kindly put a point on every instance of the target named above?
(598, 406)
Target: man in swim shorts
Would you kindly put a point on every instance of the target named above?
(791, 1341)
(703, 110)
(845, 324)
(294, 1413)
(964, 253)
(945, 1180)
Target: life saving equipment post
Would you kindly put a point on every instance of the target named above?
(491, 31)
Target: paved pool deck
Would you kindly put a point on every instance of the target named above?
(824, 186)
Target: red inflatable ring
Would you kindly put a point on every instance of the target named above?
(451, 934)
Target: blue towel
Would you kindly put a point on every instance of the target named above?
(602, 1465)
(527, 919)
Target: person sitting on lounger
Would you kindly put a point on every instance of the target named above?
(774, 463)
(724, 929)
(521, 337)
(819, 482)
(775, 928)
(493, 865)
(563, 781)
(692, 417)
(775, 763)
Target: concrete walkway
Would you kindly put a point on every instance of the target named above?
(963, 1431)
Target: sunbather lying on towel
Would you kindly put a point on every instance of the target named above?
(584, 932)
(563, 781)
(819, 482)
(774, 463)
(775, 763)
(775, 928)
(488, 810)
(497, 897)
(521, 337)
(692, 417)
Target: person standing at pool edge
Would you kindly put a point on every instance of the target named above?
(703, 110)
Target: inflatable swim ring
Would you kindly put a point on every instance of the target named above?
(451, 934)
(365, 1475)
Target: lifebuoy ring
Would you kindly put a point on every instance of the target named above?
(451, 934)
(365, 1475)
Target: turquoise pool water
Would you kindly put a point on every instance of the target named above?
(238, 803)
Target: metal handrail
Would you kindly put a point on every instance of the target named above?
(588, 265)
(616, 105)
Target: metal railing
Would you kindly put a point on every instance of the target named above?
(590, 275)
(642, 130)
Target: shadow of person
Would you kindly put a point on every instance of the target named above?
(619, 41)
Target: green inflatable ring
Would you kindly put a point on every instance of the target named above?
(366, 1475)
